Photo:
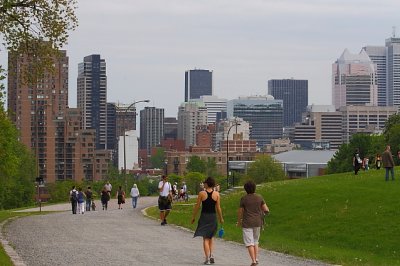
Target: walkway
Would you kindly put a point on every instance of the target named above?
(120, 237)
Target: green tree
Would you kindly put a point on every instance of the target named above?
(157, 160)
(211, 167)
(193, 180)
(38, 28)
(265, 169)
(196, 164)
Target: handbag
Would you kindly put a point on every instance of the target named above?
(221, 232)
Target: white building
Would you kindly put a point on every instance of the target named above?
(190, 115)
(213, 105)
(131, 150)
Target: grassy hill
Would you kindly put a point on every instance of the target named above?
(342, 218)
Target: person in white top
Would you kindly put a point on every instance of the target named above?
(108, 187)
(134, 194)
(165, 199)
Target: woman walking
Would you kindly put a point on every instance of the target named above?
(134, 194)
(207, 224)
(120, 197)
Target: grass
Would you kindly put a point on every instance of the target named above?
(342, 218)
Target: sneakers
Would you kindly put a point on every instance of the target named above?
(164, 222)
(212, 259)
(207, 262)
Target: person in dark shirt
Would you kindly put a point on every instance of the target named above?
(207, 225)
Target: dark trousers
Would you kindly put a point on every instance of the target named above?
(88, 204)
(357, 168)
(74, 206)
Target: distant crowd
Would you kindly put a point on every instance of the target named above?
(385, 160)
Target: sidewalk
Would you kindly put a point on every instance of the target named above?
(120, 237)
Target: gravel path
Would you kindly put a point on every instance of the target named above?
(120, 237)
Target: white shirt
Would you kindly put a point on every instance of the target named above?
(184, 188)
(134, 192)
(108, 187)
(166, 190)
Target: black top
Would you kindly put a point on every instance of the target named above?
(208, 205)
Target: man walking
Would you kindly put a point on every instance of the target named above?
(388, 163)
(165, 199)
(73, 197)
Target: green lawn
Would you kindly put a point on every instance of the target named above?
(342, 218)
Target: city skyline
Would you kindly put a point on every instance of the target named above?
(148, 45)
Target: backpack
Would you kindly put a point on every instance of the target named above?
(80, 197)
(73, 196)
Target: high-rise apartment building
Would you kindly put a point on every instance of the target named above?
(294, 94)
(92, 96)
(198, 82)
(34, 106)
(170, 128)
(263, 113)
(354, 80)
(151, 127)
(190, 115)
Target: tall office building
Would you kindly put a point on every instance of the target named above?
(214, 106)
(190, 115)
(170, 128)
(294, 94)
(112, 138)
(92, 96)
(393, 71)
(151, 127)
(34, 107)
(378, 55)
(198, 82)
(320, 123)
(263, 113)
(354, 80)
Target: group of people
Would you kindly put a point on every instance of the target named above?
(386, 160)
(251, 212)
(78, 198)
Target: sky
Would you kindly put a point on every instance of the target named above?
(149, 44)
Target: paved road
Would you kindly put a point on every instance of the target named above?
(120, 237)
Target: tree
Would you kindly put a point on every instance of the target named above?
(265, 169)
(193, 180)
(196, 164)
(157, 160)
(38, 28)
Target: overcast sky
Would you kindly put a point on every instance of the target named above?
(148, 44)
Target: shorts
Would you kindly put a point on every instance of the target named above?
(251, 236)
(164, 204)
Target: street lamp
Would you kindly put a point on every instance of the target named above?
(227, 153)
(166, 166)
(124, 131)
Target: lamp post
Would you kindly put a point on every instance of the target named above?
(227, 153)
(166, 166)
(124, 131)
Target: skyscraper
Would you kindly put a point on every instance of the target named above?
(198, 82)
(214, 106)
(393, 71)
(190, 115)
(354, 80)
(294, 94)
(151, 127)
(263, 113)
(34, 107)
(378, 55)
(92, 96)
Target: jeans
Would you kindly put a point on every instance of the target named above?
(387, 173)
(88, 204)
(134, 202)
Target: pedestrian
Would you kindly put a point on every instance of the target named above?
(108, 187)
(252, 210)
(81, 201)
(165, 199)
(73, 197)
(135, 195)
(207, 225)
(366, 163)
(185, 191)
(378, 161)
(89, 197)
(388, 163)
(120, 197)
(356, 161)
(105, 197)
